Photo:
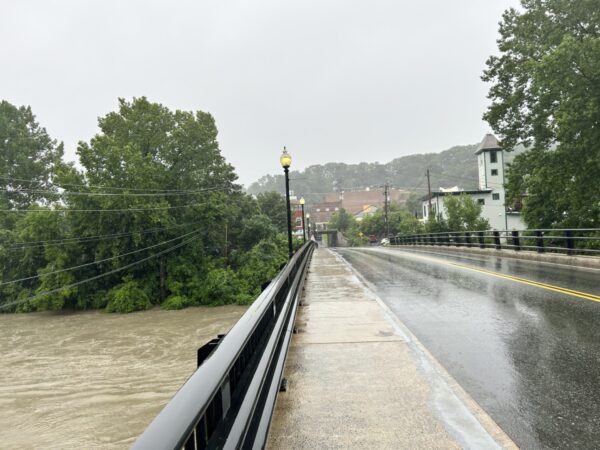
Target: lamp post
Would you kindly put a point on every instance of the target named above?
(303, 226)
(308, 224)
(286, 161)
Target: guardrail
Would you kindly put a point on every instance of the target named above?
(228, 401)
(571, 241)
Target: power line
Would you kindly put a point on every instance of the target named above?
(97, 262)
(98, 237)
(97, 186)
(87, 280)
(112, 194)
(99, 210)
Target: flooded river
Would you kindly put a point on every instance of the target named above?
(94, 380)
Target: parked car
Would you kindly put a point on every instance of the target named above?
(385, 241)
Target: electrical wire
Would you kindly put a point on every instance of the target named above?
(96, 186)
(112, 194)
(87, 280)
(99, 210)
(98, 237)
(97, 262)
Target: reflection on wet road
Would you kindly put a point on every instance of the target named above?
(529, 355)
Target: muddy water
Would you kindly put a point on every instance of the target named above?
(95, 380)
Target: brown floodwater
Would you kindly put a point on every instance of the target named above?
(93, 380)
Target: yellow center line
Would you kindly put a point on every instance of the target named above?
(550, 287)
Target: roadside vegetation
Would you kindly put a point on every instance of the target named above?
(151, 216)
(463, 213)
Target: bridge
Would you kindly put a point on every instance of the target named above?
(448, 340)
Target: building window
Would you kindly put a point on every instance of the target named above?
(495, 196)
(494, 172)
(337, 209)
(326, 209)
(493, 156)
(318, 209)
(298, 221)
(433, 208)
(481, 201)
(424, 210)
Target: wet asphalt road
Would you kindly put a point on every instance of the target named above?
(529, 356)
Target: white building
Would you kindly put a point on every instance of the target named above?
(490, 195)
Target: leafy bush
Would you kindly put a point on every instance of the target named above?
(175, 302)
(127, 297)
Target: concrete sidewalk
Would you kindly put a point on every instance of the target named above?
(357, 378)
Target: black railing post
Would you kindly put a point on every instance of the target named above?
(570, 242)
(497, 240)
(447, 239)
(539, 242)
(468, 238)
(481, 239)
(515, 240)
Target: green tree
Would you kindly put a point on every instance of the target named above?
(400, 221)
(272, 205)
(464, 213)
(28, 159)
(545, 85)
(342, 221)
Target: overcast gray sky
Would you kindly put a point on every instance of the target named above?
(342, 81)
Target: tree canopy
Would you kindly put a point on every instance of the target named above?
(153, 217)
(546, 95)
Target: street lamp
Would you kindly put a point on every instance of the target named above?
(286, 161)
(303, 228)
(308, 224)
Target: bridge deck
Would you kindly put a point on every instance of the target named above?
(357, 378)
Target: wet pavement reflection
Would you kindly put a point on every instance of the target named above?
(529, 356)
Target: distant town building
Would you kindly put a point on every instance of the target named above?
(491, 193)
(320, 213)
(366, 200)
(296, 215)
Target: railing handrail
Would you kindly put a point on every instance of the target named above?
(177, 421)
(572, 239)
(500, 231)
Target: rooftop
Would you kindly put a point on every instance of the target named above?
(490, 142)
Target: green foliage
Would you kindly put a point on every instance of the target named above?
(127, 297)
(436, 224)
(400, 221)
(143, 147)
(175, 302)
(255, 229)
(262, 263)
(341, 221)
(222, 287)
(272, 205)
(545, 95)
(464, 213)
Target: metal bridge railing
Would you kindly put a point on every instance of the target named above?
(583, 241)
(228, 401)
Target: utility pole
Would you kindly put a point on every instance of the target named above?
(429, 192)
(386, 210)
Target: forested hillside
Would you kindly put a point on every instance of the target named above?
(455, 166)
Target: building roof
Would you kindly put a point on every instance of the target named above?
(435, 194)
(490, 142)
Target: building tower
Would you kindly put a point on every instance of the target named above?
(490, 160)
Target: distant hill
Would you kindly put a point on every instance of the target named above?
(456, 166)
